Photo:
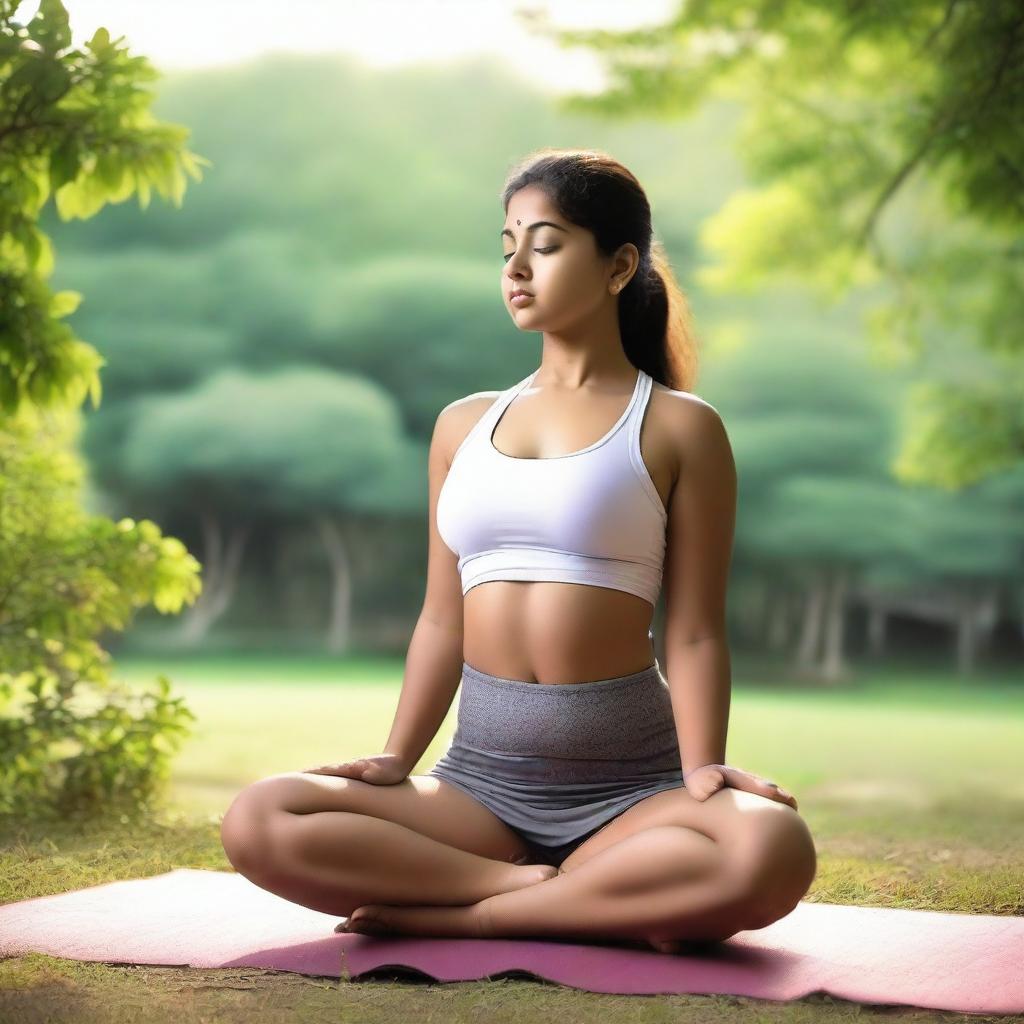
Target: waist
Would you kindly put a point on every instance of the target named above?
(627, 716)
(651, 675)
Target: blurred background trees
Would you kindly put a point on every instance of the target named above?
(884, 147)
(835, 185)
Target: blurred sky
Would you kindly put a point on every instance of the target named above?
(201, 33)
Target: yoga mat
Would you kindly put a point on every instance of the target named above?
(969, 963)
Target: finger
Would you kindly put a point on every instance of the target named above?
(757, 784)
(782, 795)
(749, 781)
(708, 789)
(740, 779)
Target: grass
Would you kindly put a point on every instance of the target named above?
(906, 784)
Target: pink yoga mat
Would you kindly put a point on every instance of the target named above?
(970, 963)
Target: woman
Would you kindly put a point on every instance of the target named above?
(584, 794)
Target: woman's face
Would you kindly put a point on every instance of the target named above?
(558, 263)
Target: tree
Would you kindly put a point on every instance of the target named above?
(821, 519)
(73, 124)
(299, 447)
(886, 139)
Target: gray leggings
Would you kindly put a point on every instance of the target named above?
(557, 762)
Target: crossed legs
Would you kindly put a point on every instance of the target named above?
(668, 868)
(659, 885)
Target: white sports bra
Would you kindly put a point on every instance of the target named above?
(592, 517)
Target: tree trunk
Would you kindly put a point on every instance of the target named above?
(810, 630)
(221, 568)
(966, 640)
(339, 626)
(987, 618)
(878, 621)
(833, 668)
(778, 615)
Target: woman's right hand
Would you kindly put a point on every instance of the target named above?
(377, 769)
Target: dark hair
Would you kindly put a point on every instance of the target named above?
(593, 190)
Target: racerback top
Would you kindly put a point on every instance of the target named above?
(592, 517)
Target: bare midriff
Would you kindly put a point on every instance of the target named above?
(544, 632)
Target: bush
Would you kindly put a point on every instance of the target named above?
(72, 741)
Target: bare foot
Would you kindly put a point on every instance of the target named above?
(696, 946)
(668, 945)
(662, 945)
(522, 875)
(458, 922)
(518, 876)
(468, 922)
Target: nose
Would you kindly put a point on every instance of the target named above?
(514, 269)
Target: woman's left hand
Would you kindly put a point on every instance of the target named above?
(708, 779)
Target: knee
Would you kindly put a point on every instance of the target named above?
(245, 829)
(775, 866)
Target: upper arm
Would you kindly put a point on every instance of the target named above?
(701, 524)
(443, 600)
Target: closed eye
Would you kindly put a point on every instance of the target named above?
(545, 251)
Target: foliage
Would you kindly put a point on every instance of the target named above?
(74, 125)
(67, 577)
(886, 141)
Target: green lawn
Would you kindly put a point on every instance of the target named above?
(911, 786)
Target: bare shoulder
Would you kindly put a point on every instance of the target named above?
(458, 418)
(680, 400)
(684, 406)
(691, 427)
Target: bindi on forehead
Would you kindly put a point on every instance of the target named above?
(531, 227)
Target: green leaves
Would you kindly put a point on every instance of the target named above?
(74, 124)
(71, 740)
(885, 143)
(50, 26)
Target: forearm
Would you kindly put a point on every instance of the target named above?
(433, 671)
(700, 682)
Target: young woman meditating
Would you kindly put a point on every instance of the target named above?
(585, 794)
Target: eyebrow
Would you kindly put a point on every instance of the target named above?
(535, 224)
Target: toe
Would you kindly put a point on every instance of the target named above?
(369, 920)
(667, 945)
(542, 872)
